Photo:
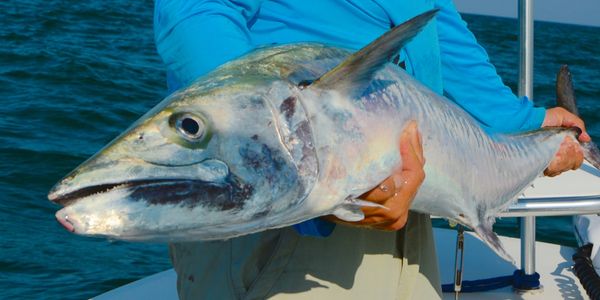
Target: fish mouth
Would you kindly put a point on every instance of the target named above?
(68, 198)
(226, 194)
(107, 209)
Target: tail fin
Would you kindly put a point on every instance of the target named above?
(565, 98)
(592, 154)
(565, 95)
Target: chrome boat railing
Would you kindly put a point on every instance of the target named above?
(526, 90)
(556, 206)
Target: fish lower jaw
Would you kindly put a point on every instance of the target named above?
(88, 225)
(67, 221)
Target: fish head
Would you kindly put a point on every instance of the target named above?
(209, 162)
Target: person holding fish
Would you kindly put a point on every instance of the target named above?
(317, 259)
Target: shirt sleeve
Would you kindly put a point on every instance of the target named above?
(472, 82)
(194, 37)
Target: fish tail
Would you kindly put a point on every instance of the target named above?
(565, 94)
(591, 153)
(565, 98)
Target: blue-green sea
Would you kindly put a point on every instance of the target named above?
(74, 74)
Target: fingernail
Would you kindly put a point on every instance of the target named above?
(384, 188)
(411, 126)
(586, 136)
(405, 132)
(414, 133)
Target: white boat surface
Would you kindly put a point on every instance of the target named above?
(557, 279)
(553, 262)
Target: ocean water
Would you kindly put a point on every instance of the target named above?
(74, 74)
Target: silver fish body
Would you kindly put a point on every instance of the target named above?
(277, 155)
(251, 146)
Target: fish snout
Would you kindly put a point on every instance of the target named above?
(55, 193)
(58, 191)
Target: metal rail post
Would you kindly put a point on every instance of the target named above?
(526, 89)
(526, 48)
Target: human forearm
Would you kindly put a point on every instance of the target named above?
(472, 81)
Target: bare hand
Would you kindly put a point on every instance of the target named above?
(397, 191)
(570, 155)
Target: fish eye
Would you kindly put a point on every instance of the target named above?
(189, 126)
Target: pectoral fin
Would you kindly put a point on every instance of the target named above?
(349, 213)
(350, 210)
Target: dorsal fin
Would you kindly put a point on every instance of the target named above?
(565, 95)
(358, 69)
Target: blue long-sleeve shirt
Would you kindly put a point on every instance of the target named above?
(194, 37)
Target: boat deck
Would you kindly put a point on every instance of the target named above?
(553, 263)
